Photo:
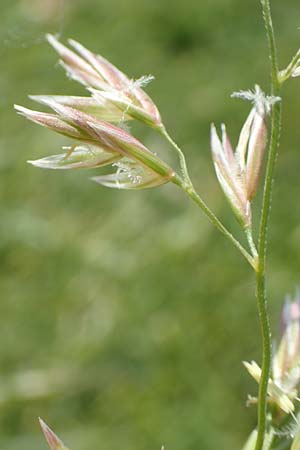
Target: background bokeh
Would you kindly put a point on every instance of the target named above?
(124, 316)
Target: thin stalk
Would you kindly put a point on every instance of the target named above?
(262, 243)
(190, 191)
(182, 161)
(186, 184)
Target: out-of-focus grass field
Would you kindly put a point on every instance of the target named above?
(124, 316)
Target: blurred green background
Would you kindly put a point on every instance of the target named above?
(124, 315)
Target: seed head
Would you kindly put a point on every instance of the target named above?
(107, 83)
(101, 144)
(239, 171)
(275, 393)
(285, 375)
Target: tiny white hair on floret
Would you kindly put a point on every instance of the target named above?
(143, 81)
(289, 430)
(125, 167)
(263, 103)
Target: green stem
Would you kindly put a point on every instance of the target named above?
(262, 244)
(190, 191)
(182, 160)
(186, 184)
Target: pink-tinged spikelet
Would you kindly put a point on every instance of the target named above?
(53, 441)
(107, 83)
(239, 171)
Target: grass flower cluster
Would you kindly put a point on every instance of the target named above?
(95, 124)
